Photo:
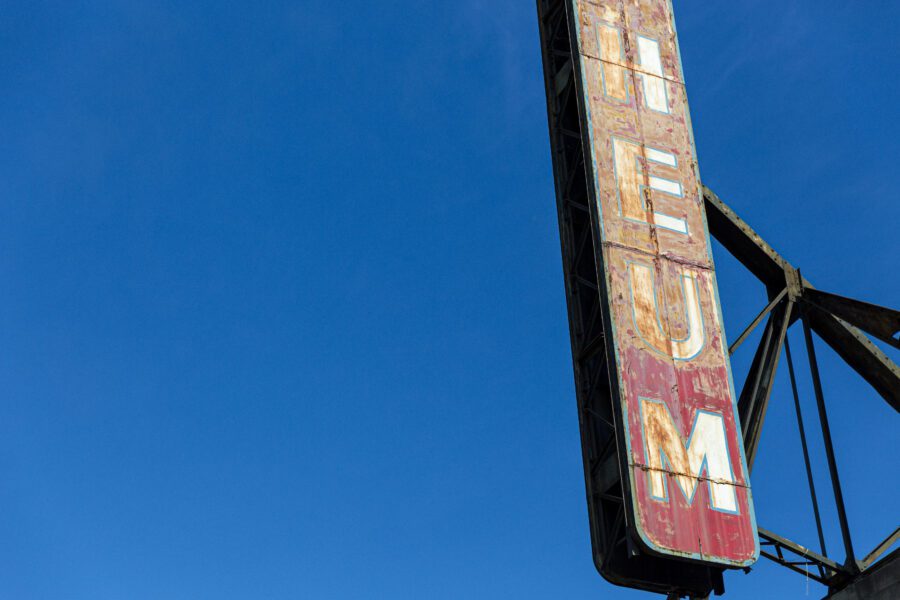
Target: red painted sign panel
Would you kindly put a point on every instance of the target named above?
(687, 476)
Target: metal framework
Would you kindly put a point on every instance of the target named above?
(840, 322)
(835, 319)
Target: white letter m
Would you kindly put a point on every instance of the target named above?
(706, 450)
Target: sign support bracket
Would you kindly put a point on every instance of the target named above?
(840, 322)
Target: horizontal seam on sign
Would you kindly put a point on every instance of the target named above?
(674, 259)
(697, 477)
(632, 69)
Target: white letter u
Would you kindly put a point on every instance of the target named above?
(645, 311)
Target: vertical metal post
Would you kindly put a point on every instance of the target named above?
(757, 379)
(752, 408)
(809, 475)
(829, 448)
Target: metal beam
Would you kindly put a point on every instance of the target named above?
(829, 448)
(771, 268)
(754, 399)
(743, 242)
(838, 321)
(756, 321)
(809, 476)
(860, 353)
(827, 572)
(881, 549)
(878, 321)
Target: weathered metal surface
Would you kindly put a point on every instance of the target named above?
(683, 470)
(816, 566)
(618, 560)
(880, 549)
(636, 71)
(882, 323)
(882, 582)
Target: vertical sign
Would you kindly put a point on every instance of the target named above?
(687, 477)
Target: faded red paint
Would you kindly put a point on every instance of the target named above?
(671, 240)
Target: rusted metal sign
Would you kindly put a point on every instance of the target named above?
(687, 477)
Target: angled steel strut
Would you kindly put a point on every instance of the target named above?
(840, 322)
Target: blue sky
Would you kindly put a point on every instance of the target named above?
(283, 312)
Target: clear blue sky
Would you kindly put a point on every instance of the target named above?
(282, 312)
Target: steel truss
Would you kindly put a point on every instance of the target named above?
(840, 322)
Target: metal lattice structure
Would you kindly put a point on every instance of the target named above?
(839, 322)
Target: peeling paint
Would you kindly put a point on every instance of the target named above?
(674, 383)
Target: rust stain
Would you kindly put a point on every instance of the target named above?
(672, 368)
